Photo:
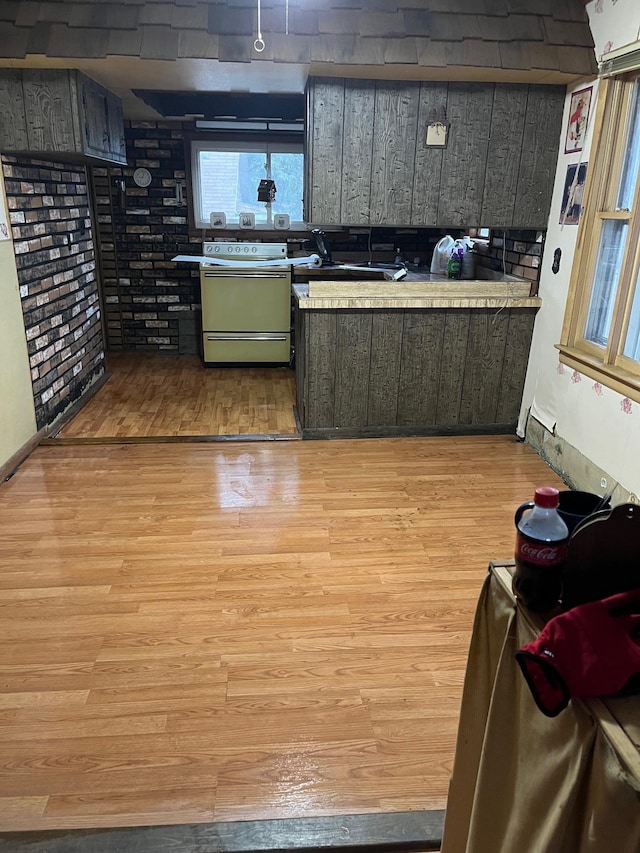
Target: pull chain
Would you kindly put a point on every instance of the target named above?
(286, 17)
(258, 44)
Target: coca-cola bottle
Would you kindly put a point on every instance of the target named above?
(541, 551)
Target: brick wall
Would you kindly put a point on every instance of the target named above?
(148, 299)
(53, 244)
(516, 253)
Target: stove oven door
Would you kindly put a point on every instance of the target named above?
(246, 315)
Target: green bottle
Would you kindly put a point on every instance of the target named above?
(454, 266)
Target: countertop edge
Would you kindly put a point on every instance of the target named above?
(306, 303)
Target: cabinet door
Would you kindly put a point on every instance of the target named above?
(324, 150)
(503, 156)
(542, 123)
(96, 126)
(50, 122)
(103, 125)
(13, 128)
(394, 152)
(115, 129)
(357, 151)
(464, 164)
(428, 163)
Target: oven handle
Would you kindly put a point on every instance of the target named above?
(246, 337)
(246, 275)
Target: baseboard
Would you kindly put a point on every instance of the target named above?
(409, 431)
(12, 464)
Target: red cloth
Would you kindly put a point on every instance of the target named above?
(591, 650)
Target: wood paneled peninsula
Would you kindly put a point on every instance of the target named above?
(426, 357)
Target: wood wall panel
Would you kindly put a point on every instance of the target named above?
(428, 162)
(353, 357)
(514, 364)
(384, 370)
(464, 164)
(394, 152)
(357, 151)
(421, 365)
(454, 360)
(301, 343)
(321, 368)
(483, 366)
(540, 143)
(503, 156)
(12, 110)
(326, 175)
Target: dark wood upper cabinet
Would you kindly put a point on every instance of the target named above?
(61, 112)
(368, 162)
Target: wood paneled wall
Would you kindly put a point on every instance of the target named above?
(368, 162)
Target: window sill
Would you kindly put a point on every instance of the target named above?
(625, 383)
(259, 226)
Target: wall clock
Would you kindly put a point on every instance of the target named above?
(142, 177)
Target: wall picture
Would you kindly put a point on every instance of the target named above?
(578, 118)
(281, 221)
(218, 219)
(573, 194)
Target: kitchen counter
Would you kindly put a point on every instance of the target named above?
(429, 291)
(425, 357)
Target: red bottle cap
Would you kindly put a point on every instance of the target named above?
(547, 497)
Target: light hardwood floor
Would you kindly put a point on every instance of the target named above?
(231, 631)
(154, 395)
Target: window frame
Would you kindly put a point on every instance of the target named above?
(271, 143)
(608, 364)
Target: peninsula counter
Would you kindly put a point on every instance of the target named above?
(380, 358)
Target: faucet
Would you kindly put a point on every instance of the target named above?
(322, 247)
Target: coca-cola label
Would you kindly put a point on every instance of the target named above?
(540, 553)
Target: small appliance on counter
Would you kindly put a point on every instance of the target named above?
(246, 306)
